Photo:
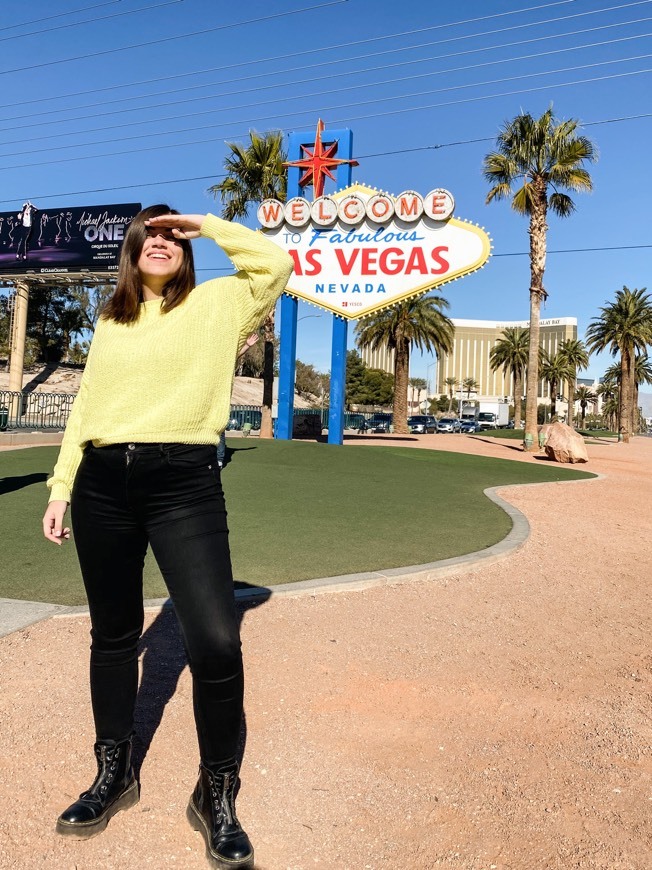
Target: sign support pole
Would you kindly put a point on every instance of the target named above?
(340, 325)
(287, 364)
(17, 348)
(289, 306)
(18, 335)
(338, 381)
(289, 310)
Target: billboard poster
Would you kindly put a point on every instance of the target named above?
(360, 250)
(42, 241)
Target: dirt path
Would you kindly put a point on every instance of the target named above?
(497, 719)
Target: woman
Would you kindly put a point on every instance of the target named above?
(137, 465)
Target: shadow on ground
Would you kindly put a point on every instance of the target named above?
(11, 484)
(163, 661)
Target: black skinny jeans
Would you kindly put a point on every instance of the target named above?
(169, 495)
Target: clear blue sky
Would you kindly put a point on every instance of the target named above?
(105, 128)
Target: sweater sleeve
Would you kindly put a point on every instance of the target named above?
(263, 269)
(70, 454)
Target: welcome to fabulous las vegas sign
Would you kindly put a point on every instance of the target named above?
(359, 250)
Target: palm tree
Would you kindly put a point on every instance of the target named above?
(609, 392)
(71, 322)
(642, 375)
(255, 172)
(417, 384)
(554, 370)
(573, 352)
(452, 384)
(511, 354)
(610, 411)
(624, 327)
(418, 322)
(470, 385)
(584, 395)
(539, 153)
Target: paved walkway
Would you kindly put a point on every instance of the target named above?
(497, 717)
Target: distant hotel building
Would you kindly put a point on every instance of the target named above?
(473, 342)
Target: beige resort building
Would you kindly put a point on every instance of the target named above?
(473, 342)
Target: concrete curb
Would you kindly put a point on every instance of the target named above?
(15, 615)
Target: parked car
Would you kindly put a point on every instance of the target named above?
(421, 424)
(377, 423)
(448, 424)
(470, 426)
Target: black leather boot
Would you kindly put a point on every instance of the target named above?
(115, 788)
(211, 811)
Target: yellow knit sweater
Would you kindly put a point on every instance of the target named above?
(167, 377)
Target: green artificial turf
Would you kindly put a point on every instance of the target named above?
(297, 510)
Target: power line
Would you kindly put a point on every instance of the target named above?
(338, 120)
(578, 250)
(433, 147)
(106, 51)
(313, 80)
(494, 96)
(58, 15)
(384, 100)
(312, 51)
(119, 187)
(87, 20)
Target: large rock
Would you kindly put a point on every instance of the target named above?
(564, 444)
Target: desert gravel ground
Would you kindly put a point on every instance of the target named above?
(499, 718)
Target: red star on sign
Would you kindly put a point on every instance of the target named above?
(318, 163)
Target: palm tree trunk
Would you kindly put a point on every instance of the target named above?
(518, 392)
(401, 367)
(635, 417)
(571, 400)
(553, 400)
(537, 232)
(266, 426)
(625, 404)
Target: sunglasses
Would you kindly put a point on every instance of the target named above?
(168, 235)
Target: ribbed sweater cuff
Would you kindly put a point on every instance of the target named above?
(59, 492)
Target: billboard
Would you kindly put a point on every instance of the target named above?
(360, 251)
(55, 240)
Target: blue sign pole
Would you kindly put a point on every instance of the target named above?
(338, 381)
(289, 309)
(340, 325)
(287, 365)
(289, 306)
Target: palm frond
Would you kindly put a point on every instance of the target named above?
(561, 204)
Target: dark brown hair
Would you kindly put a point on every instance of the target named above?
(123, 305)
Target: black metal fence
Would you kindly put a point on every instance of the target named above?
(51, 410)
(34, 410)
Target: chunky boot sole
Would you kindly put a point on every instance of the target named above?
(86, 830)
(198, 823)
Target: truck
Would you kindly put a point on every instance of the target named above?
(493, 415)
(469, 411)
